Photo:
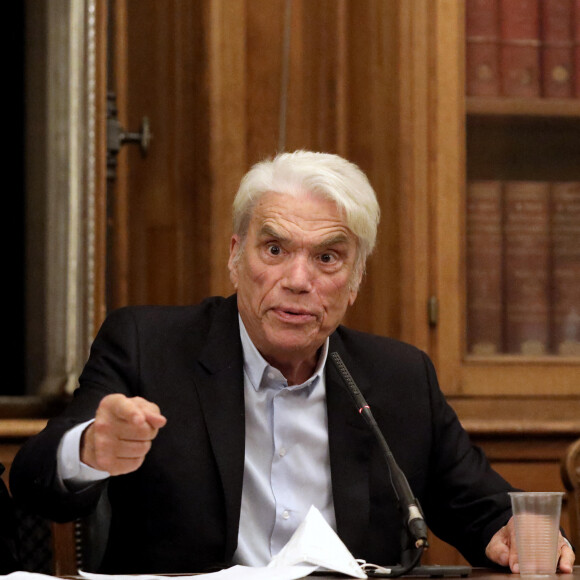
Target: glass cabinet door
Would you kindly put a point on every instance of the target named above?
(522, 191)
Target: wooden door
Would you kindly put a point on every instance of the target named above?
(160, 221)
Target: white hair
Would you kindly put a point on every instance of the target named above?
(323, 174)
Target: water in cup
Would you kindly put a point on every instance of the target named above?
(537, 524)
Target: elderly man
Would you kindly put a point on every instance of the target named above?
(215, 427)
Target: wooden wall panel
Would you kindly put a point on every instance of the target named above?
(314, 76)
(447, 184)
(226, 77)
(373, 133)
(265, 48)
(413, 88)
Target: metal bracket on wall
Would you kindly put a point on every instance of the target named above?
(117, 136)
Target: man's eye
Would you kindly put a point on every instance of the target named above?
(327, 258)
(274, 250)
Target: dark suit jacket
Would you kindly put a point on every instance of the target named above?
(180, 511)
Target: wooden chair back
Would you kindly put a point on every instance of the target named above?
(570, 470)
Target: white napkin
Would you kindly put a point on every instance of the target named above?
(315, 542)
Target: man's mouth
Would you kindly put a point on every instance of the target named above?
(294, 314)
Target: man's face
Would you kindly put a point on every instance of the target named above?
(295, 276)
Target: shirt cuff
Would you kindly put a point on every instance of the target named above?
(71, 470)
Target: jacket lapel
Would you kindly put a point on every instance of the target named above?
(350, 443)
(220, 385)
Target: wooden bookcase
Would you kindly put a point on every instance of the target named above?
(466, 138)
(523, 411)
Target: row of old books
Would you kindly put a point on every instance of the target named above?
(523, 267)
(523, 48)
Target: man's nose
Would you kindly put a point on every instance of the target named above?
(299, 274)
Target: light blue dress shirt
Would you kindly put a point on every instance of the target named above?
(287, 462)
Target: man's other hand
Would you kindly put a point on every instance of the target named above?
(502, 550)
(120, 436)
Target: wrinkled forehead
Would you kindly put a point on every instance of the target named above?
(305, 211)
(303, 203)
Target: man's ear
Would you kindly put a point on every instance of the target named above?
(352, 296)
(235, 247)
(354, 288)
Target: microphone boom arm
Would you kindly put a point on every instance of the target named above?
(407, 502)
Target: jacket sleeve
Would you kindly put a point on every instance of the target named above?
(112, 367)
(467, 501)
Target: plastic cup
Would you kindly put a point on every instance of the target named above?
(537, 524)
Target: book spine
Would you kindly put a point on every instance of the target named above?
(519, 48)
(565, 278)
(526, 265)
(557, 48)
(484, 267)
(577, 48)
(482, 48)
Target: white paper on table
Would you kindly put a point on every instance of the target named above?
(315, 542)
(235, 572)
(27, 576)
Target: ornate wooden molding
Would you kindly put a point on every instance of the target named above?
(519, 416)
(11, 429)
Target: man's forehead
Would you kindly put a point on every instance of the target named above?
(283, 216)
(303, 206)
(283, 225)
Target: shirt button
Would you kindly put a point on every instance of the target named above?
(270, 375)
(282, 452)
(285, 514)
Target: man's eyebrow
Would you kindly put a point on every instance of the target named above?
(267, 231)
(336, 239)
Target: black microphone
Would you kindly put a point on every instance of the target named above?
(407, 503)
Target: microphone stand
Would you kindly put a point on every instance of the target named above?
(414, 533)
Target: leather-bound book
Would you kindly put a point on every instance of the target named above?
(520, 48)
(482, 48)
(526, 266)
(484, 267)
(557, 48)
(565, 278)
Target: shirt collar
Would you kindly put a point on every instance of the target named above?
(256, 367)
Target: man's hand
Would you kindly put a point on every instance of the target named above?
(121, 435)
(503, 551)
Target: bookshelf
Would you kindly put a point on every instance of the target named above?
(522, 409)
(504, 139)
(522, 148)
